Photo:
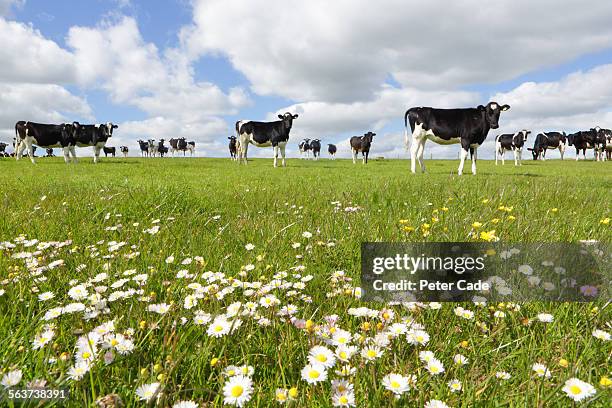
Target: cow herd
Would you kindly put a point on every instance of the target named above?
(468, 127)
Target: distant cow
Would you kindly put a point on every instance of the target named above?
(264, 134)
(191, 147)
(315, 145)
(45, 135)
(546, 141)
(361, 144)
(331, 149)
(160, 148)
(514, 142)
(232, 148)
(601, 143)
(109, 150)
(124, 150)
(608, 135)
(589, 139)
(468, 126)
(182, 145)
(173, 145)
(152, 147)
(3, 149)
(95, 136)
(49, 152)
(144, 148)
(304, 148)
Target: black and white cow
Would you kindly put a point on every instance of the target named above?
(587, 139)
(160, 148)
(362, 144)
(332, 149)
(548, 141)
(144, 148)
(124, 150)
(608, 135)
(315, 145)
(109, 150)
(232, 148)
(513, 142)
(95, 136)
(304, 148)
(601, 143)
(173, 142)
(44, 135)
(468, 126)
(49, 152)
(191, 147)
(182, 145)
(264, 134)
(152, 147)
(3, 149)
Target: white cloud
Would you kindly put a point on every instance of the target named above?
(6, 5)
(344, 50)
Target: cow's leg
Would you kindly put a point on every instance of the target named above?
(244, 148)
(503, 156)
(417, 146)
(28, 145)
(66, 150)
(474, 158)
(282, 150)
(516, 158)
(72, 150)
(19, 149)
(275, 154)
(464, 152)
(354, 156)
(96, 153)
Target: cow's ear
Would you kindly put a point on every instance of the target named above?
(480, 107)
(295, 116)
(505, 107)
(280, 116)
(115, 126)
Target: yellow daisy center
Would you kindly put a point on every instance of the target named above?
(371, 353)
(322, 358)
(237, 391)
(314, 374)
(574, 389)
(395, 384)
(343, 399)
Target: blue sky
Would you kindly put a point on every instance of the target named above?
(192, 68)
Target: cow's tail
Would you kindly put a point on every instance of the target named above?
(406, 138)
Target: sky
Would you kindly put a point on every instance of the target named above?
(192, 68)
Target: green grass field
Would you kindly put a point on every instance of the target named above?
(212, 211)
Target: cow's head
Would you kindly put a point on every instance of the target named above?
(534, 152)
(366, 140)
(232, 138)
(287, 119)
(491, 113)
(107, 129)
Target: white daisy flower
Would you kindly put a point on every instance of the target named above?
(460, 359)
(43, 338)
(545, 317)
(396, 383)
(78, 371)
(46, 296)
(435, 366)
(185, 404)
(249, 247)
(147, 392)
(322, 355)
(541, 370)
(314, 373)
(435, 404)
(578, 390)
(219, 327)
(455, 385)
(503, 375)
(11, 378)
(601, 335)
(343, 399)
(237, 390)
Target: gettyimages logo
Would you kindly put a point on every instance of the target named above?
(467, 271)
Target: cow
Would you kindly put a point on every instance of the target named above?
(3, 149)
(109, 150)
(589, 139)
(95, 136)
(182, 145)
(332, 149)
(514, 142)
(173, 142)
(49, 152)
(315, 146)
(152, 147)
(361, 144)
(601, 143)
(264, 134)
(144, 148)
(161, 149)
(467, 126)
(608, 135)
(304, 148)
(232, 148)
(124, 150)
(46, 135)
(546, 141)
(191, 147)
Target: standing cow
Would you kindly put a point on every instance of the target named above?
(332, 149)
(468, 126)
(144, 148)
(548, 141)
(608, 148)
(304, 147)
(124, 150)
(109, 150)
(95, 136)
(152, 147)
(45, 135)
(3, 149)
(315, 145)
(514, 142)
(232, 148)
(264, 134)
(361, 144)
(49, 152)
(589, 139)
(191, 147)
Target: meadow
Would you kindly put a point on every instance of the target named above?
(156, 281)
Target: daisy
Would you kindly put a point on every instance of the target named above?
(417, 337)
(249, 247)
(396, 383)
(371, 353)
(343, 399)
(146, 392)
(601, 335)
(77, 371)
(502, 375)
(541, 370)
(435, 404)
(314, 373)
(185, 404)
(43, 338)
(322, 355)
(237, 390)
(306, 234)
(341, 386)
(426, 356)
(344, 353)
(455, 385)
(219, 328)
(78, 292)
(460, 359)
(281, 395)
(46, 296)
(341, 337)
(578, 390)
(11, 378)
(545, 317)
(435, 366)
(201, 318)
